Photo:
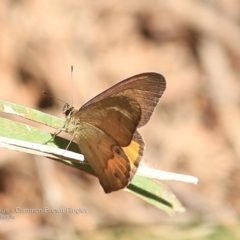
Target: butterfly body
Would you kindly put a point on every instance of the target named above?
(105, 128)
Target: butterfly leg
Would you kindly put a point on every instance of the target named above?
(55, 134)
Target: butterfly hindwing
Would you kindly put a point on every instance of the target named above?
(135, 151)
(105, 156)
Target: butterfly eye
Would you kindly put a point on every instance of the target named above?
(68, 112)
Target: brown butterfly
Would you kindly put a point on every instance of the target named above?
(105, 128)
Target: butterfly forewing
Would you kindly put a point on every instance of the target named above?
(117, 116)
(145, 88)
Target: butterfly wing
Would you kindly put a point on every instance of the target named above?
(117, 116)
(106, 134)
(145, 88)
(134, 151)
(109, 161)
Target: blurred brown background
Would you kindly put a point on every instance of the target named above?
(195, 129)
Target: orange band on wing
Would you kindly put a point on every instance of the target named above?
(134, 151)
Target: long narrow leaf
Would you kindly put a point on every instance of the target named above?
(43, 144)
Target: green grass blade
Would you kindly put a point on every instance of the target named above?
(146, 189)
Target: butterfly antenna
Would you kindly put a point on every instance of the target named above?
(53, 96)
(72, 84)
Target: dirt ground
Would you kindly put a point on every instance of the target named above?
(194, 130)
